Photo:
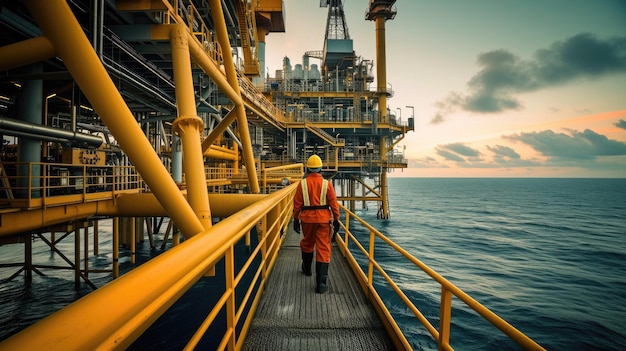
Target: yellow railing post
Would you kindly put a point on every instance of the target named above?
(370, 262)
(444, 319)
(230, 304)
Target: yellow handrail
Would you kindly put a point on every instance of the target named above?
(116, 314)
(366, 279)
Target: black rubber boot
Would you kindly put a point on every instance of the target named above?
(321, 271)
(307, 260)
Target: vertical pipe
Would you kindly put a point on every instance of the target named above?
(86, 246)
(116, 247)
(175, 236)
(30, 109)
(188, 126)
(383, 181)
(28, 259)
(231, 74)
(261, 33)
(352, 194)
(150, 231)
(381, 70)
(133, 240)
(177, 159)
(236, 162)
(96, 250)
(59, 25)
(381, 77)
(76, 259)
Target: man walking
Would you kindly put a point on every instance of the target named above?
(316, 212)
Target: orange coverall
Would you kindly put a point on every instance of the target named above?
(317, 224)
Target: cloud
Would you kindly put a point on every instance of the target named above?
(503, 75)
(587, 145)
(586, 149)
(462, 149)
(504, 151)
(460, 153)
(621, 124)
(450, 156)
(426, 162)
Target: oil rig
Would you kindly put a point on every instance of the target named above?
(332, 111)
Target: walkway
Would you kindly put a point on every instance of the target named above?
(291, 316)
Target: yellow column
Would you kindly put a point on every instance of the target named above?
(231, 74)
(58, 24)
(381, 71)
(188, 126)
(381, 76)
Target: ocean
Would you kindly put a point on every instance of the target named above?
(547, 255)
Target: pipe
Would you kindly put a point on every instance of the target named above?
(231, 74)
(221, 153)
(188, 126)
(19, 128)
(59, 25)
(223, 206)
(25, 52)
(125, 205)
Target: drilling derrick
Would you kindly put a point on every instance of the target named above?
(336, 26)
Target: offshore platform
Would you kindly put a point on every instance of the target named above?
(159, 113)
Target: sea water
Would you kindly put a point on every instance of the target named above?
(547, 255)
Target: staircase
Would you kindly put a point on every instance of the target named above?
(337, 142)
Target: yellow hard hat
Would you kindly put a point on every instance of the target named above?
(314, 162)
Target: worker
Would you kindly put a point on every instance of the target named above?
(316, 212)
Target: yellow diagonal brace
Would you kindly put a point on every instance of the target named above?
(59, 25)
(217, 14)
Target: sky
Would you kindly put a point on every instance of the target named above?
(533, 88)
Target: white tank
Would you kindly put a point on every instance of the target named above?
(298, 73)
(315, 72)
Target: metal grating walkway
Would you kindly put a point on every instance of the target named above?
(291, 316)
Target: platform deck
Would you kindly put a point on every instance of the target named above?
(291, 316)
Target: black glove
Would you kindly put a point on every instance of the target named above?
(335, 227)
(296, 225)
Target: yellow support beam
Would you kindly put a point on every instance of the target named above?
(25, 52)
(188, 126)
(217, 14)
